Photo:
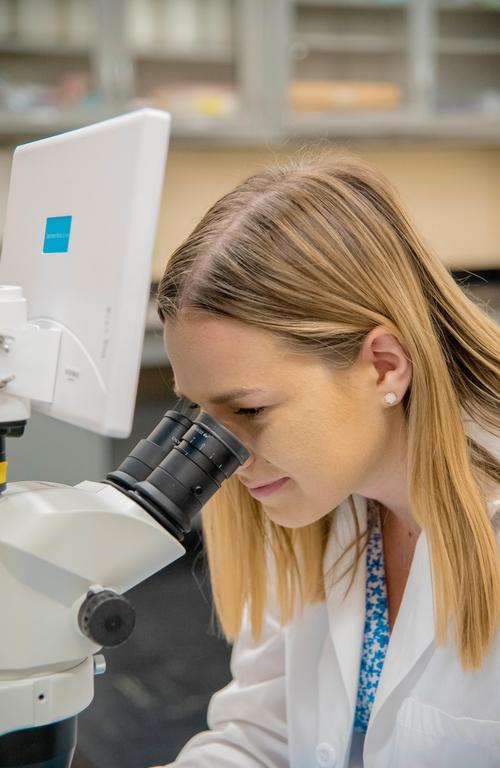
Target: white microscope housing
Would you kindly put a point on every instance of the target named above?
(57, 544)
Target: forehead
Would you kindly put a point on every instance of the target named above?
(211, 356)
(222, 352)
(224, 339)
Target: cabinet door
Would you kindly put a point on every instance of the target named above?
(467, 57)
(348, 58)
(190, 58)
(47, 51)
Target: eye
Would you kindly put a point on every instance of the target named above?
(249, 412)
(192, 406)
(188, 408)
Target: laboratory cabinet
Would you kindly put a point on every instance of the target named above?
(253, 72)
(66, 63)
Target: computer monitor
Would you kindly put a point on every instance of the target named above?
(79, 234)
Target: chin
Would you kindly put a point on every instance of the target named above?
(287, 518)
(302, 515)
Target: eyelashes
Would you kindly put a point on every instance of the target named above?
(186, 407)
(250, 413)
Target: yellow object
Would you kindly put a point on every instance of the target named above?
(3, 471)
(210, 104)
(329, 95)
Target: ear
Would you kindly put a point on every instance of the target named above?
(382, 350)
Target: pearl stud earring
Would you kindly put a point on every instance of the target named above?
(391, 398)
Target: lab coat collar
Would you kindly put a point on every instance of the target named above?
(414, 628)
(346, 612)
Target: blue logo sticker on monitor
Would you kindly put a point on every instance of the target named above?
(57, 231)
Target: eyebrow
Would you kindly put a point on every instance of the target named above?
(233, 394)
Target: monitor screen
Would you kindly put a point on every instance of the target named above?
(79, 236)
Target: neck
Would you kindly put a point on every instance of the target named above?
(400, 522)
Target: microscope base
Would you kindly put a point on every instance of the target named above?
(31, 702)
(48, 746)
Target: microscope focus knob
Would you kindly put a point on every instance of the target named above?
(106, 617)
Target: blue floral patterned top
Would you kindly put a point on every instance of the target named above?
(376, 631)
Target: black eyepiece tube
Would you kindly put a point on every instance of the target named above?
(148, 453)
(188, 475)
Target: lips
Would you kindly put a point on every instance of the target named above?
(261, 491)
(256, 486)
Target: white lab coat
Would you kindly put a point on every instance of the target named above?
(292, 698)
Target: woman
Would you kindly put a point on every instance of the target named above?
(361, 586)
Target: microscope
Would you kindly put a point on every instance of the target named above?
(67, 555)
(74, 286)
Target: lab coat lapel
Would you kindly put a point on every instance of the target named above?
(346, 612)
(413, 632)
(414, 628)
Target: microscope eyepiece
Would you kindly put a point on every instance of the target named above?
(148, 453)
(199, 459)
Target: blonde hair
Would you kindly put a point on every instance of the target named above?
(319, 251)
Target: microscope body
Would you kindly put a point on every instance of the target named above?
(58, 544)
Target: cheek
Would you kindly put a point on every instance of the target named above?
(291, 446)
(274, 443)
(324, 452)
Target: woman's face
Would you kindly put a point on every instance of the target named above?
(327, 431)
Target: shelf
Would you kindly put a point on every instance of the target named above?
(468, 47)
(236, 130)
(45, 122)
(404, 124)
(240, 130)
(204, 55)
(357, 4)
(35, 48)
(450, 6)
(326, 43)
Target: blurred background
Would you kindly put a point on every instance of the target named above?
(411, 85)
